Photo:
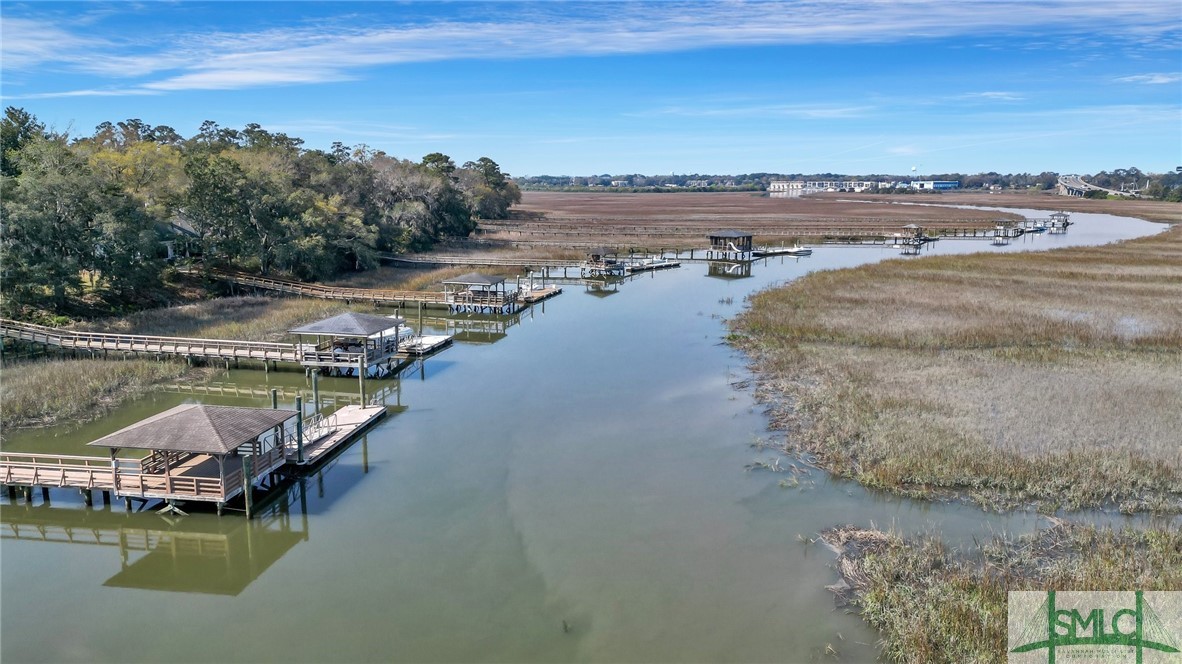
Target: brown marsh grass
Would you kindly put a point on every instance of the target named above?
(36, 393)
(932, 604)
(1048, 378)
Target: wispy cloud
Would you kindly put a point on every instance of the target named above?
(1151, 79)
(338, 50)
(991, 96)
(111, 92)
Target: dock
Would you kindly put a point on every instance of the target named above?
(376, 296)
(425, 344)
(325, 434)
(197, 454)
(225, 350)
(539, 293)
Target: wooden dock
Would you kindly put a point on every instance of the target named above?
(326, 434)
(223, 349)
(539, 293)
(196, 477)
(227, 350)
(373, 295)
(424, 344)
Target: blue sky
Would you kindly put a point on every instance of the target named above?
(620, 87)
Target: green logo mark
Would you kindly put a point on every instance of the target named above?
(1135, 627)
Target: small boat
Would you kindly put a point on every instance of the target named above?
(799, 251)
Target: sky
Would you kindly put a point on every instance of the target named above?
(802, 86)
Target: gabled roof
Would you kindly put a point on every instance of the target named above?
(350, 324)
(197, 428)
(730, 233)
(475, 279)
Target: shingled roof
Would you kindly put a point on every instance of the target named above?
(350, 324)
(197, 428)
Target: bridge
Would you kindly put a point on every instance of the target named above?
(1075, 185)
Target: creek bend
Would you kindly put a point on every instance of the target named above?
(573, 491)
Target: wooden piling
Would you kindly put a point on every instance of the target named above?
(87, 497)
(299, 429)
(45, 494)
(247, 484)
(361, 377)
(316, 390)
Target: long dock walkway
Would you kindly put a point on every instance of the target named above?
(346, 294)
(225, 349)
(219, 349)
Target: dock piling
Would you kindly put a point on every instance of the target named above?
(299, 430)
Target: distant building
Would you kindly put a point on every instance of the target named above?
(697, 183)
(936, 185)
(620, 183)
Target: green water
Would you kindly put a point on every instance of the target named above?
(572, 489)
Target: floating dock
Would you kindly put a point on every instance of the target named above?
(539, 293)
(326, 434)
(424, 344)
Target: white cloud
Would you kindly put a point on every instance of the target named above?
(337, 50)
(1151, 79)
(992, 96)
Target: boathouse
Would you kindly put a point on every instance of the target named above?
(730, 245)
(601, 262)
(480, 293)
(350, 343)
(198, 452)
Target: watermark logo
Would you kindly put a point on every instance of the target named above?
(1080, 627)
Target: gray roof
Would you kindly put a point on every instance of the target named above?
(350, 324)
(730, 233)
(197, 428)
(913, 226)
(475, 279)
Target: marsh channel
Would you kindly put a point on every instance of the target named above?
(570, 484)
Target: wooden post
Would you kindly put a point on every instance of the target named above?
(361, 378)
(420, 317)
(316, 390)
(87, 497)
(299, 429)
(106, 497)
(247, 484)
(274, 399)
(45, 494)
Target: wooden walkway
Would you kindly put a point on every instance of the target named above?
(346, 294)
(153, 345)
(220, 349)
(479, 261)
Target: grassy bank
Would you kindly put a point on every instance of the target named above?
(932, 604)
(37, 393)
(1050, 378)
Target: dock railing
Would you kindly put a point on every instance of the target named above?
(144, 343)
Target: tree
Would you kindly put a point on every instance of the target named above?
(17, 128)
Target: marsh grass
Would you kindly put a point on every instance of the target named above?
(1052, 379)
(245, 318)
(39, 393)
(933, 604)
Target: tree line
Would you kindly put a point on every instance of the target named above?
(97, 214)
(1159, 186)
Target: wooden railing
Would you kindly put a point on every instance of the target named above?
(126, 477)
(84, 472)
(329, 292)
(141, 343)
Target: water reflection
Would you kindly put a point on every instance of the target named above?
(194, 554)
